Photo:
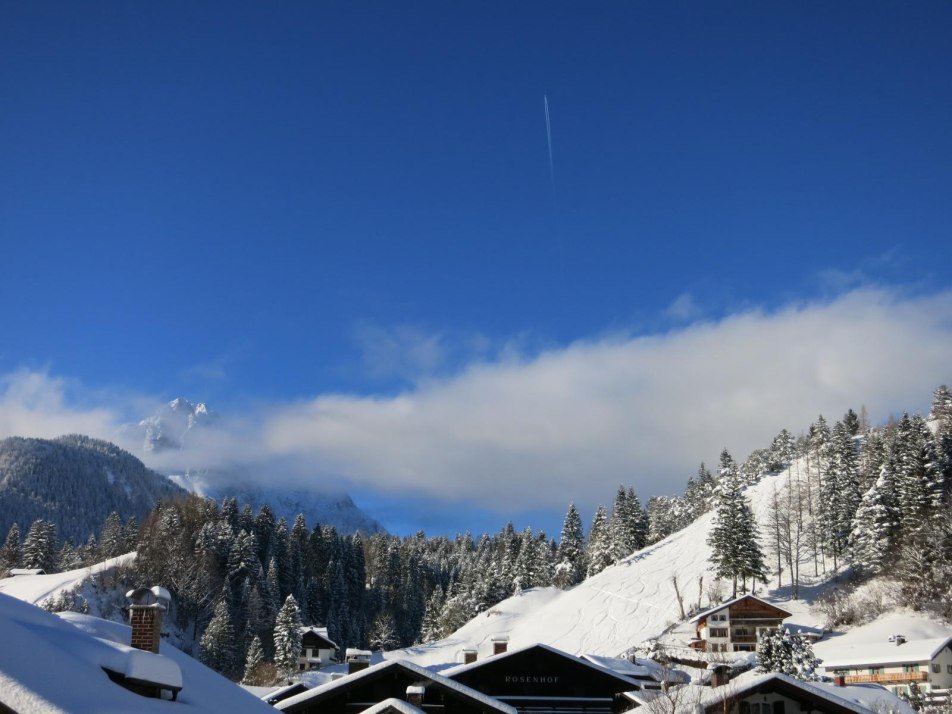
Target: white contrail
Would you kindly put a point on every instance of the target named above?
(548, 136)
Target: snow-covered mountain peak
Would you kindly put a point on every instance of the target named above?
(168, 428)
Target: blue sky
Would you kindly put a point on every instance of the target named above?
(264, 205)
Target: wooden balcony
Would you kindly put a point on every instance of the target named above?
(887, 678)
(744, 639)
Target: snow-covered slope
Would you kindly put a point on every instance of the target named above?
(75, 482)
(605, 615)
(37, 588)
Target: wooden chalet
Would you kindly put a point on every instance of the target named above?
(542, 679)
(317, 649)
(735, 625)
(781, 694)
(393, 679)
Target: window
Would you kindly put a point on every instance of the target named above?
(909, 668)
(876, 670)
(936, 668)
(718, 632)
(778, 707)
(948, 668)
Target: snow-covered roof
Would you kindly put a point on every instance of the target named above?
(859, 699)
(376, 669)
(728, 603)
(393, 704)
(57, 663)
(454, 671)
(19, 572)
(320, 632)
(870, 644)
(644, 669)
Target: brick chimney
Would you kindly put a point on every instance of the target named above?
(147, 607)
(839, 680)
(469, 656)
(415, 695)
(500, 644)
(720, 674)
(356, 659)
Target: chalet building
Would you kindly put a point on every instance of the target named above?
(409, 683)
(781, 694)
(896, 663)
(735, 625)
(539, 678)
(317, 649)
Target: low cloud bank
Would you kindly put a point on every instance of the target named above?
(571, 423)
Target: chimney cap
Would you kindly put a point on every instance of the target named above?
(416, 689)
(500, 638)
(156, 597)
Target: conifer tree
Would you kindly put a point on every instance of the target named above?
(10, 552)
(112, 540)
(735, 551)
(287, 638)
(253, 661)
(600, 552)
(39, 546)
(218, 643)
(790, 654)
(571, 566)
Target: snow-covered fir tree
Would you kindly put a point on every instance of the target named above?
(218, 644)
(39, 546)
(600, 553)
(253, 660)
(287, 638)
(780, 651)
(10, 552)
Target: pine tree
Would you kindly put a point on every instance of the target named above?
(39, 546)
(287, 638)
(68, 558)
(780, 651)
(735, 551)
(253, 661)
(600, 552)
(111, 538)
(571, 566)
(218, 644)
(10, 553)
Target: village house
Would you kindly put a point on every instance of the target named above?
(896, 663)
(317, 649)
(735, 625)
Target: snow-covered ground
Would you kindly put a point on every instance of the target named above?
(37, 588)
(619, 608)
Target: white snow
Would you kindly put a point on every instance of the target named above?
(869, 644)
(607, 614)
(37, 588)
(395, 704)
(51, 663)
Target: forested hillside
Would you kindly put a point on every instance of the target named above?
(75, 482)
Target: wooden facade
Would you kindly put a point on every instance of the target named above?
(543, 679)
(735, 626)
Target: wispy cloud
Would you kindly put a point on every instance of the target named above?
(684, 308)
(518, 431)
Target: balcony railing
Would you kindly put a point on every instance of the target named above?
(887, 678)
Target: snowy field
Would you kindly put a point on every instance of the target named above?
(37, 588)
(619, 608)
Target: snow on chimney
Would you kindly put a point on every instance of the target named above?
(145, 615)
(720, 674)
(500, 644)
(469, 656)
(415, 695)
